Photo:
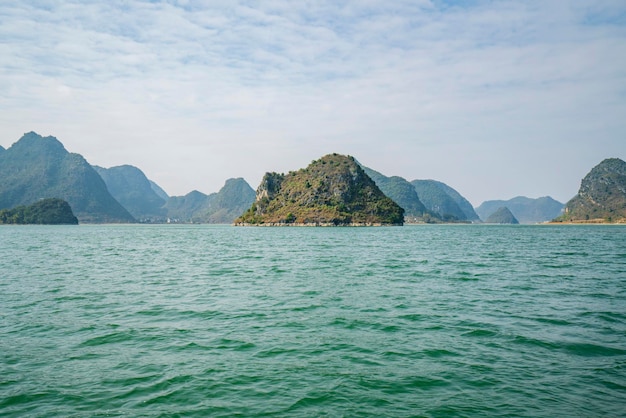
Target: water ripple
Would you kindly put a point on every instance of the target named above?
(217, 321)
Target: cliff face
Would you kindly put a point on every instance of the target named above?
(333, 190)
(602, 195)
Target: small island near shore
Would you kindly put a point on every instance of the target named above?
(50, 211)
(331, 191)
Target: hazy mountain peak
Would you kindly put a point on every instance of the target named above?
(400, 191)
(32, 141)
(130, 186)
(502, 216)
(525, 209)
(37, 167)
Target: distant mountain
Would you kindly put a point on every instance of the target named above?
(158, 190)
(502, 216)
(217, 208)
(133, 190)
(50, 211)
(400, 191)
(443, 200)
(463, 203)
(230, 202)
(36, 167)
(602, 195)
(333, 190)
(2, 149)
(526, 210)
(183, 208)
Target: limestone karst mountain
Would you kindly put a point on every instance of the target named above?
(35, 167)
(333, 190)
(525, 209)
(445, 201)
(401, 192)
(222, 207)
(602, 195)
(50, 211)
(228, 203)
(130, 186)
(502, 216)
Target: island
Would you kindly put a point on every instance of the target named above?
(331, 191)
(50, 211)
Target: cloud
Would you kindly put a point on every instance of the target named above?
(195, 92)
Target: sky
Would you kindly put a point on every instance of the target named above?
(497, 99)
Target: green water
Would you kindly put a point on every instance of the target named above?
(434, 321)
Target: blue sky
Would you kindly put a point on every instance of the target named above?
(495, 98)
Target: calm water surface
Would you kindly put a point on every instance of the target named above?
(433, 321)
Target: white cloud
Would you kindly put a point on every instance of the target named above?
(195, 92)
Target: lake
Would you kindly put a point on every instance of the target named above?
(420, 320)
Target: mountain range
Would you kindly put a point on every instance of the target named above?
(443, 200)
(222, 207)
(526, 210)
(425, 200)
(134, 191)
(37, 167)
(401, 192)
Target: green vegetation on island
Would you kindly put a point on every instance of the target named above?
(601, 197)
(51, 211)
(333, 190)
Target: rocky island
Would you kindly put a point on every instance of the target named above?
(331, 191)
